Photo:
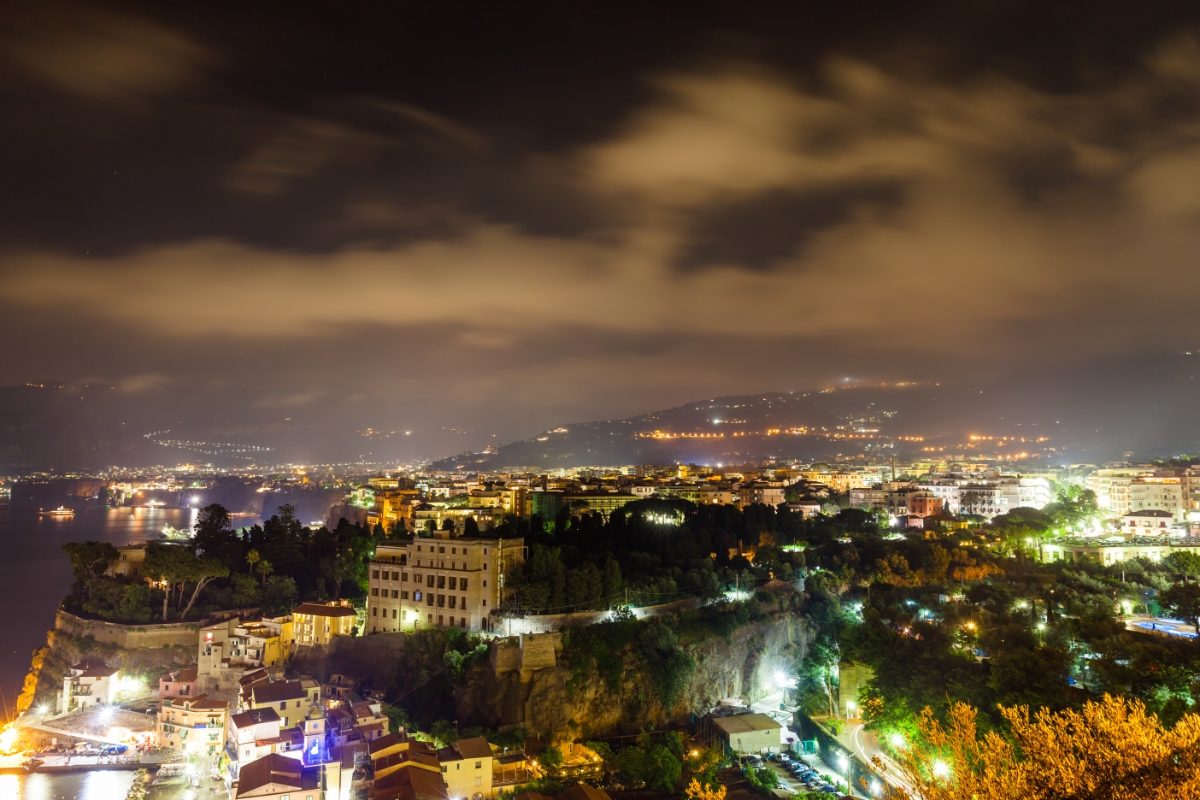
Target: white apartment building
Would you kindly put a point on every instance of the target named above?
(1157, 494)
(439, 581)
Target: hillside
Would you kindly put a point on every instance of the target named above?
(1079, 423)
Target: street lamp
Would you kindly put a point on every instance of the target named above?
(940, 769)
(844, 766)
(896, 740)
(851, 707)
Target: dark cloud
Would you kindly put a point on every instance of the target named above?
(533, 216)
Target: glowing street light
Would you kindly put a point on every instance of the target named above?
(896, 740)
(940, 769)
(876, 787)
(851, 707)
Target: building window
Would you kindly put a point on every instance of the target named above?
(373, 610)
(395, 593)
(462, 584)
(375, 574)
(404, 595)
(374, 592)
(453, 583)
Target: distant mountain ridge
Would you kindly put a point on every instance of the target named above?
(903, 419)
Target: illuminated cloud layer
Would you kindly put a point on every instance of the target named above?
(733, 224)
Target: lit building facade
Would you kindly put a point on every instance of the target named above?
(439, 581)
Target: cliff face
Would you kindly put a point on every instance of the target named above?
(64, 648)
(532, 683)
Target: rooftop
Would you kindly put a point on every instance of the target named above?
(275, 770)
(324, 610)
(746, 723)
(277, 692)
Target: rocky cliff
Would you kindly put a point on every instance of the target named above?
(64, 648)
(554, 688)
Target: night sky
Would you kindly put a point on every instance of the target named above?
(497, 217)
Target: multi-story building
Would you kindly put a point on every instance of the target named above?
(193, 725)
(757, 492)
(1111, 487)
(467, 768)
(88, 683)
(1114, 551)
(291, 700)
(277, 777)
(1150, 522)
(439, 581)
(1154, 493)
(230, 647)
(180, 683)
(315, 624)
(251, 735)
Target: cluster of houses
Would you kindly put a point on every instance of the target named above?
(270, 737)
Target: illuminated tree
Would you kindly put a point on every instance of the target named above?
(1111, 748)
(698, 791)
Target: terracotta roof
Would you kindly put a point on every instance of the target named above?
(391, 740)
(183, 676)
(277, 692)
(410, 784)
(416, 754)
(275, 769)
(93, 668)
(475, 747)
(254, 717)
(582, 791)
(323, 610)
(199, 702)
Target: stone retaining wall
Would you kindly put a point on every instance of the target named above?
(130, 637)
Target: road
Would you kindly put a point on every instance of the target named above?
(865, 746)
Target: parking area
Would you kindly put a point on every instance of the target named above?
(796, 774)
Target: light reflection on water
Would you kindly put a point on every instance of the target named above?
(36, 574)
(99, 785)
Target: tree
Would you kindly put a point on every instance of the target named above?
(259, 564)
(176, 566)
(552, 759)
(470, 528)
(89, 559)
(215, 537)
(202, 572)
(1183, 601)
(168, 563)
(1111, 748)
(1183, 562)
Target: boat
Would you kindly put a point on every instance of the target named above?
(62, 512)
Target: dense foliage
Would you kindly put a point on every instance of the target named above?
(270, 567)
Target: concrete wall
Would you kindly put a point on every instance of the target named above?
(508, 625)
(526, 654)
(130, 637)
